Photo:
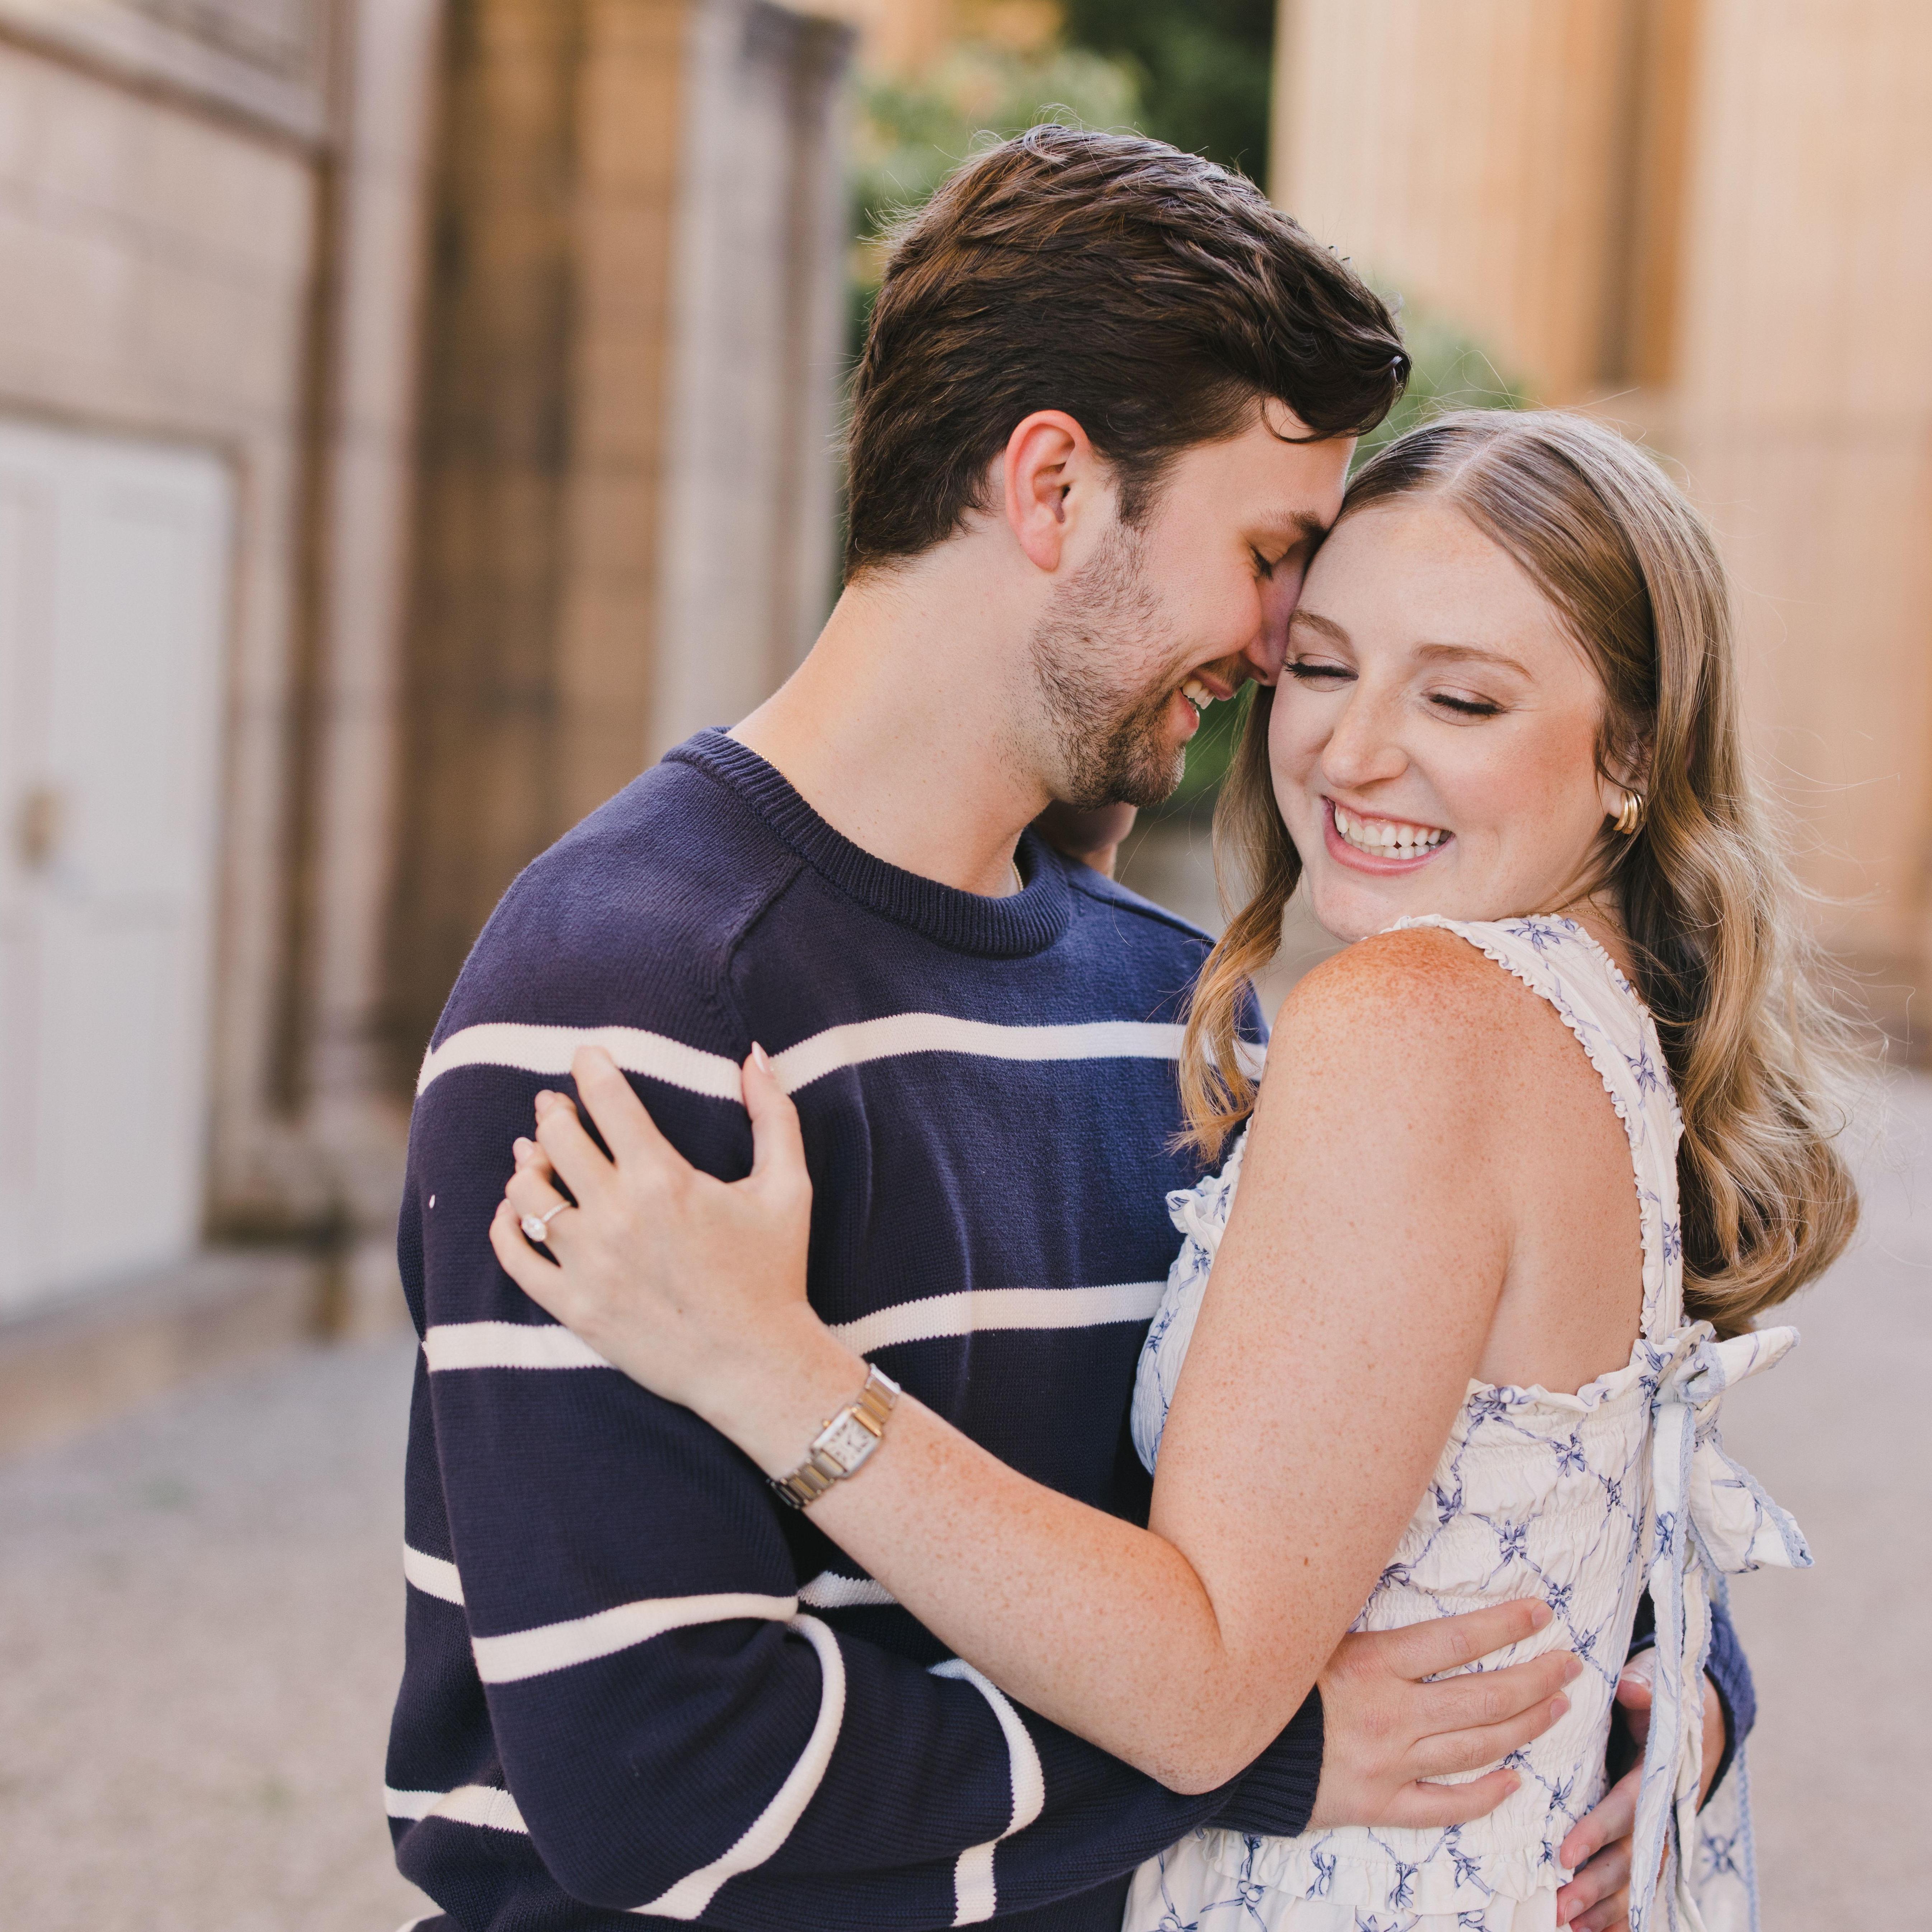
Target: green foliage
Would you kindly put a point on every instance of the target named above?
(1209, 752)
(1451, 372)
(1197, 75)
(910, 134)
(1205, 69)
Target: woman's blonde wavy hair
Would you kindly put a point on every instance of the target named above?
(1764, 1068)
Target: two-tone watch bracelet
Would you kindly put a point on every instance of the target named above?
(840, 1449)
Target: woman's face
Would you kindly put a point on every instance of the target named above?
(1434, 735)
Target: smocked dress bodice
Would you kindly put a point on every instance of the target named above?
(1579, 1498)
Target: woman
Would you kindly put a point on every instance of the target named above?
(1504, 758)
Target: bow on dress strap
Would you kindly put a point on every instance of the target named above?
(1711, 1520)
(1198, 1220)
(1201, 1212)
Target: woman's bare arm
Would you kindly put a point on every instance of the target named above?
(1354, 1288)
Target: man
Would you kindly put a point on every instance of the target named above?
(1105, 414)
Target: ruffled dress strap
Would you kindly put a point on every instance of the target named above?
(1709, 1518)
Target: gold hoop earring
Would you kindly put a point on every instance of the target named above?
(1630, 814)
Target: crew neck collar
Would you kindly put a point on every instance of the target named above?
(1008, 927)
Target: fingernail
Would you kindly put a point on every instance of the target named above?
(1559, 1707)
(1572, 1670)
(1540, 1614)
(760, 1058)
(522, 1148)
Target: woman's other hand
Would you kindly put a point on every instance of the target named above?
(682, 1281)
(1598, 1850)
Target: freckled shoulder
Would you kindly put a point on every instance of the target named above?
(1420, 1006)
(1435, 976)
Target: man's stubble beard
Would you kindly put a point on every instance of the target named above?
(1112, 739)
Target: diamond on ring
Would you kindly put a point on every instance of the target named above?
(536, 1227)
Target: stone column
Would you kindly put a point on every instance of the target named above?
(1804, 420)
(625, 510)
(756, 321)
(1707, 219)
(1513, 164)
(332, 1073)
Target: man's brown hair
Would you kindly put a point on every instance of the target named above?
(1155, 297)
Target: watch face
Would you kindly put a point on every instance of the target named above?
(847, 1442)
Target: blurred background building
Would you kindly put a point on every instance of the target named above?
(416, 414)
(413, 418)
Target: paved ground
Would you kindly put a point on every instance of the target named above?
(200, 1630)
(1841, 1434)
(200, 1620)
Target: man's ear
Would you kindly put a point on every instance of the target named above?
(1049, 471)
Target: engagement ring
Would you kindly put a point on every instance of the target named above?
(536, 1227)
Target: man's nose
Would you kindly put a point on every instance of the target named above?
(1266, 650)
(1265, 653)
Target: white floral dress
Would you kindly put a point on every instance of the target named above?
(1580, 1499)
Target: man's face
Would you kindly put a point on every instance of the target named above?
(1166, 618)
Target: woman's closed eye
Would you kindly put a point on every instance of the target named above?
(1328, 673)
(1318, 670)
(1466, 704)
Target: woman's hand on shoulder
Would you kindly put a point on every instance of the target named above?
(688, 1284)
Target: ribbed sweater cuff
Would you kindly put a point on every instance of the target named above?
(1274, 1797)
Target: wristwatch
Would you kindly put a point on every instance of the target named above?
(839, 1449)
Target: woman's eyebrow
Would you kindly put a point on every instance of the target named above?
(1468, 654)
(1314, 621)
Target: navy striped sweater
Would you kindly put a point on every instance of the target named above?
(636, 1684)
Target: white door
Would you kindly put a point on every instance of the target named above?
(114, 562)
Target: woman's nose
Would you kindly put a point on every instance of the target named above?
(1364, 747)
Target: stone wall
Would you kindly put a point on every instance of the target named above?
(158, 265)
(516, 325)
(264, 63)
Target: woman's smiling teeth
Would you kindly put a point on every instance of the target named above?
(1387, 838)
